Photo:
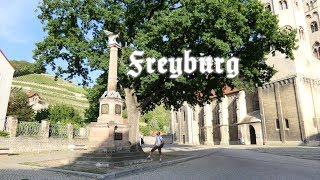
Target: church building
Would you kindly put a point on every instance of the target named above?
(285, 110)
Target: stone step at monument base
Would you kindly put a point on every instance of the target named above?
(100, 159)
(109, 149)
(110, 164)
(111, 159)
(114, 156)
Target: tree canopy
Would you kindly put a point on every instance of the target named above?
(217, 28)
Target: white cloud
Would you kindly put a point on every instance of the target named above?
(15, 19)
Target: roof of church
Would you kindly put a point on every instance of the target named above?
(5, 57)
(226, 90)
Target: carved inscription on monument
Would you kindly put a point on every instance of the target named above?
(118, 109)
(105, 109)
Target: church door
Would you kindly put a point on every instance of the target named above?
(252, 135)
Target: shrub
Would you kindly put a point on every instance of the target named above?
(145, 130)
(4, 134)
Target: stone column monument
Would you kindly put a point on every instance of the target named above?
(110, 133)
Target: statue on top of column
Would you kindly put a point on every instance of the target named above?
(112, 37)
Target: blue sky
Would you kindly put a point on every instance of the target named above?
(20, 29)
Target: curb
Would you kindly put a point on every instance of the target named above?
(87, 174)
(148, 168)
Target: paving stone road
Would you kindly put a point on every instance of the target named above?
(237, 164)
(233, 162)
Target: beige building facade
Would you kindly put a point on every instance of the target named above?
(285, 110)
(6, 75)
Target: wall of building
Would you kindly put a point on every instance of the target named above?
(6, 75)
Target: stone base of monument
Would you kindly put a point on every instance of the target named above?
(109, 137)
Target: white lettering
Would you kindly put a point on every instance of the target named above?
(232, 72)
(161, 63)
(175, 72)
(174, 65)
(136, 63)
(187, 61)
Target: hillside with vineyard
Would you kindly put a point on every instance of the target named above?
(53, 91)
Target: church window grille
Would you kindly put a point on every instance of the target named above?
(235, 111)
(287, 123)
(255, 102)
(177, 118)
(217, 114)
(277, 124)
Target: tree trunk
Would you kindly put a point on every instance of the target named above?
(133, 117)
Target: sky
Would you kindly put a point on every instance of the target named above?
(20, 29)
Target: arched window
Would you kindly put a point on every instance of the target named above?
(316, 50)
(301, 33)
(308, 6)
(315, 53)
(314, 26)
(280, 5)
(283, 5)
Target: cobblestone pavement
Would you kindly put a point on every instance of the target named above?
(11, 170)
(297, 152)
(229, 163)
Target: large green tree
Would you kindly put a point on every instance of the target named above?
(220, 28)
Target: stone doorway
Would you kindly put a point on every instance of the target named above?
(252, 135)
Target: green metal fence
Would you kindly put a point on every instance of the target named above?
(80, 133)
(58, 131)
(28, 128)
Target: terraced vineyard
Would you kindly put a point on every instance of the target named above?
(53, 91)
